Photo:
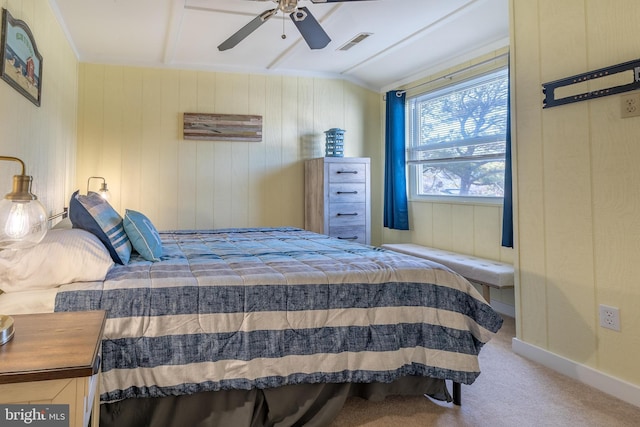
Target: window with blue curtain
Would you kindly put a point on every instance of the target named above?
(459, 143)
(396, 211)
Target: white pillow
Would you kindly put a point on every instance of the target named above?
(63, 256)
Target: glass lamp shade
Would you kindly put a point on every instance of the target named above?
(23, 224)
(104, 191)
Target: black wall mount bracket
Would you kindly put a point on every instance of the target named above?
(548, 89)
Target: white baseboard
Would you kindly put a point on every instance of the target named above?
(502, 308)
(616, 387)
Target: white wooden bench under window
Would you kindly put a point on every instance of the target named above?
(487, 273)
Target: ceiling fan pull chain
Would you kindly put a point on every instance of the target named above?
(284, 36)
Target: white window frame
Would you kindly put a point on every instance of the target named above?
(412, 166)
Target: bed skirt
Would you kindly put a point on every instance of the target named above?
(306, 405)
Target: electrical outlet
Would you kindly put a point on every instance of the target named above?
(630, 105)
(610, 317)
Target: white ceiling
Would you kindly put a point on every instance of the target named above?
(409, 37)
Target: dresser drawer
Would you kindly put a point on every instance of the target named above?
(347, 172)
(338, 197)
(347, 192)
(346, 214)
(352, 234)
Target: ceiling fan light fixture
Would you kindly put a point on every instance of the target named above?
(288, 6)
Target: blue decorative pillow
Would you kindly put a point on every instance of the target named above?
(95, 215)
(143, 235)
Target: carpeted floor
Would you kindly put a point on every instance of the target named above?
(511, 392)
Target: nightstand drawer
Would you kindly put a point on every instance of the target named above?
(347, 192)
(347, 172)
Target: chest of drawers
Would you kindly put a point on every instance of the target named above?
(337, 197)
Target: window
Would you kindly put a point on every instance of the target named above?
(457, 139)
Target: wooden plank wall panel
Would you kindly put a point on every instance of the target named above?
(487, 224)
(568, 214)
(93, 129)
(239, 173)
(121, 180)
(615, 199)
(273, 189)
(577, 170)
(292, 169)
(529, 192)
(112, 149)
(207, 164)
(187, 154)
(462, 226)
(355, 140)
(151, 141)
(442, 224)
(170, 125)
(421, 231)
(312, 146)
(256, 163)
(210, 184)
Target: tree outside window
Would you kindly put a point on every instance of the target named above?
(457, 138)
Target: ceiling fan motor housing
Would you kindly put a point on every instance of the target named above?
(288, 6)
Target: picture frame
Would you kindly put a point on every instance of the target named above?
(20, 61)
(222, 127)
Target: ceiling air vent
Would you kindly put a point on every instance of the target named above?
(354, 41)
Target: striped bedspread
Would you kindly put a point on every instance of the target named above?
(245, 308)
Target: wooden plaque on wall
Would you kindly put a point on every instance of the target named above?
(222, 127)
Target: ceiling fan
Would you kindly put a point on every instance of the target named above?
(308, 26)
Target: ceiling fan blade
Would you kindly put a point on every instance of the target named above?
(243, 32)
(310, 29)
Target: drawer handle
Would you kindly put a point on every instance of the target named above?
(348, 214)
(348, 238)
(347, 192)
(353, 172)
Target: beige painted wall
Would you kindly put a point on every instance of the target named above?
(578, 225)
(43, 137)
(474, 229)
(129, 131)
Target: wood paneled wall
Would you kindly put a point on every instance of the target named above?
(577, 185)
(130, 132)
(43, 137)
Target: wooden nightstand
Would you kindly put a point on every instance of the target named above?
(54, 358)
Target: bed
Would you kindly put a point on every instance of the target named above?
(268, 326)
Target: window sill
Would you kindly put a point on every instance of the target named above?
(475, 201)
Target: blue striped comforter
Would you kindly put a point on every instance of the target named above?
(245, 308)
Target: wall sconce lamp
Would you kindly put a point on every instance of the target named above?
(104, 191)
(23, 223)
(23, 220)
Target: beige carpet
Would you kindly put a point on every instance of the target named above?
(511, 392)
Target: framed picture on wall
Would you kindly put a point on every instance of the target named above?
(21, 63)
